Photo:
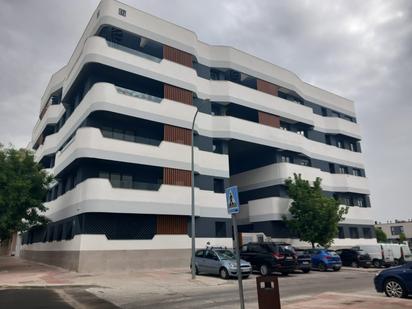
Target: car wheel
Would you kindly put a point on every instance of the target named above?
(393, 288)
(224, 274)
(305, 271)
(336, 268)
(377, 263)
(196, 269)
(396, 262)
(264, 270)
(285, 273)
(322, 266)
(354, 264)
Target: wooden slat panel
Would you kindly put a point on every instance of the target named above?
(172, 176)
(178, 94)
(267, 87)
(269, 119)
(171, 224)
(177, 56)
(177, 135)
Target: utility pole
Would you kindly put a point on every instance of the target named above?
(193, 202)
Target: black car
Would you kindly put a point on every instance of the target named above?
(354, 258)
(395, 281)
(304, 260)
(268, 257)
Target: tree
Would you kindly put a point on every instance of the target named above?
(314, 216)
(402, 237)
(380, 235)
(23, 188)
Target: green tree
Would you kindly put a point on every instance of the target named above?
(402, 237)
(23, 188)
(380, 235)
(314, 216)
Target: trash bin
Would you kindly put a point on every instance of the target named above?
(268, 292)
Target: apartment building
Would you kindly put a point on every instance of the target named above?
(115, 129)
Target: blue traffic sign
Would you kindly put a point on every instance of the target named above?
(232, 200)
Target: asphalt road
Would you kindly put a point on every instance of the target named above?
(293, 287)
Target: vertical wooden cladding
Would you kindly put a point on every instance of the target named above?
(178, 94)
(269, 119)
(171, 225)
(177, 56)
(172, 176)
(177, 135)
(267, 87)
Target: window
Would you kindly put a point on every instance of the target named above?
(218, 185)
(339, 144)
(359, 202)
(356, 172)
(352, 147)
(283, 128)
(301, 132)
(396, 230)
(342, 170)
(200, 253)
(346, 201)
(285, 159)
(341, 233)
(353, 232)
(220, 229)
(210, 255)
(367, 232)
(304, 162)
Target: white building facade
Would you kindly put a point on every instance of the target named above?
(114, 129)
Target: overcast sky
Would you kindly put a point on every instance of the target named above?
(359, 49)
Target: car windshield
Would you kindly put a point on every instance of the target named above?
(361, 252)
(287, 248)
(225, 254)
(332, 253)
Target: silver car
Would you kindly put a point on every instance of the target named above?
(220, 261)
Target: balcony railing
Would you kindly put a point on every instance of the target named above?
(138, 94)
(133, 51)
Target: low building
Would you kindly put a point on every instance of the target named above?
(394, 229)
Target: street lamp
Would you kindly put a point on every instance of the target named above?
(193, 201)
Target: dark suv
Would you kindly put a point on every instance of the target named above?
(354, 258)
(268, 257)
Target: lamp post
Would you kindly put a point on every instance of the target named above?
(193, 201)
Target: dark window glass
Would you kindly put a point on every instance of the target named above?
(341, 233)
(220, 228)
(367, 232)
(354, 232)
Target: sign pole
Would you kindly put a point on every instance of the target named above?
(239, 273)
(233, 207)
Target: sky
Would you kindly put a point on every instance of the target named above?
(361, 50)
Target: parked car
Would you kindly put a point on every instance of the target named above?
(354, 258)
(379, 254)
(304, 260)
(220, 261)
(324, 259)
(268, 257)
(401, 253)
(406, 253)
(395, 281)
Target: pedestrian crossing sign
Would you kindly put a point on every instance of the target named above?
(232, 200)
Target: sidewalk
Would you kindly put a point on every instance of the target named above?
(342, 301)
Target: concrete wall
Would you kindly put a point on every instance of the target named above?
(111, 261)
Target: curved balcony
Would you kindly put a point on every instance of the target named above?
(274, 208)
(97, 49)
(90, 143)
(52, 116)
(277, 173)
(104, 96)
(98, 195)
